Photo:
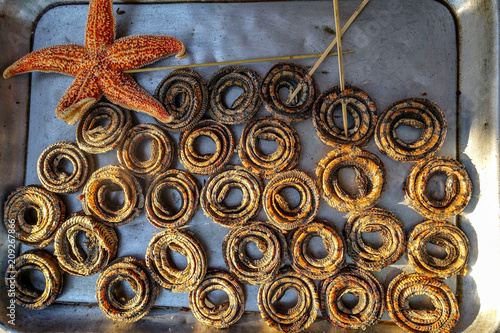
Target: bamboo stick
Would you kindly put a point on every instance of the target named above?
(341, 64)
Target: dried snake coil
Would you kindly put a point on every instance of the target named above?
(102, 128)
(360, 106)
(284, 158)
(297, 318)
(159, 212)
(101, 245)
(362, 253)
(17, 278)
(458, 188)
(245, 106)
(116, 306)
(269, 241)
(53, 177)
(206, 164)
(163, 269)
(356, 281)
(443, 234)
(441, 319)
(217, 189)
(162, 151)
(105, 180)
(305, 263)
(184, 95)
(50, 213)
(370, 178)
(218, 315)
(418, 113)
(278, 209)
(290, 76)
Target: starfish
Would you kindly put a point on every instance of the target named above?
(99, 65)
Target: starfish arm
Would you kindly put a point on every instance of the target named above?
(121, 89)
(79, 97)
(66, 59)
(138, 51)
(100, 30)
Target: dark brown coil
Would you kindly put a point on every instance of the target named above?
(359, 105)
(184, 95)
(297, 318)
(245, 106)
(360, 283)
(51, 174)
(441, 319)
(370, 178)
(16, 278)
(218, 315)
(50, 213)
(101, 183)
(444, 234)
(458, 188)
(162, 151)
(304, 262)
(217, 189)
(380, 221)
(268, 240)
(418, 113)
(163, 269)
(279, 211)
(284, 158)
(102, 128)
(101, 245)
(206, 164)
(134, 272)
(289, 76)
(158, 210)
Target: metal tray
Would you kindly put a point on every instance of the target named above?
(445, 51)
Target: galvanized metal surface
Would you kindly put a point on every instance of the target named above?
(448, 53)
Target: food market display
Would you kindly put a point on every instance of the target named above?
(196, 107)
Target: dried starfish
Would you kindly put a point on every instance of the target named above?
(99, 65)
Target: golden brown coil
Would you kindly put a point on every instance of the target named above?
(370, 178)
(442, 318)
(105, 180)
(304, 262)
(245, 106)
(297, 318)
(374, 220)
(418, 113)
(101, 245)
(17, 278)
(284, 158)
(51, 174)
(158, 210)
(206, 164)
(289, 76)
(218, 315)
(102, 128)
(268, 240)
(184, 95)
(355, 281)
(116, 306)
(163, 269)
(444, 234)
(50, 213)
(162, 151)
(217, 189)
(359, 105)
(458, 188)
(279, 211)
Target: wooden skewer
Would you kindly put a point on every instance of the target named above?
(330, 47)
(341, 64)
(303, 56)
